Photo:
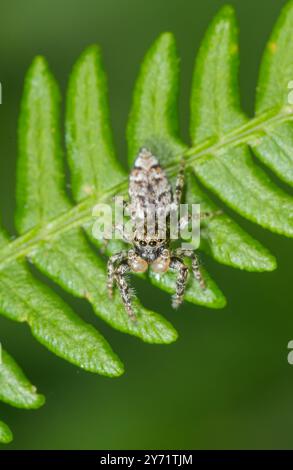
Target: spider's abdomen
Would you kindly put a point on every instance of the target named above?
(148, 184)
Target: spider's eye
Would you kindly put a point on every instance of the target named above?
(153, 243)
(160, 240)
(142, 243)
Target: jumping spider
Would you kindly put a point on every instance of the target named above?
(148, 185)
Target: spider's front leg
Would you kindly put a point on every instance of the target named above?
(194, 263)
(124, 288)
(118, 266)
(178, 265)
(117, 258)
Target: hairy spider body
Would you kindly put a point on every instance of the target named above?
(151, 199)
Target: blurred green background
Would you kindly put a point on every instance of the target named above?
(226, 383)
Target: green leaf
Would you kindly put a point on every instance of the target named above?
(15, 388)
(215, 111)
(274, 149)
(224, 239)
(277, 65)
(38, 177)
(6, 435)
(153, 119)
(88, 134)
(275, 146)
(52, 322)
(210, 297)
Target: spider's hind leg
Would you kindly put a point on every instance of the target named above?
(178, 265)
(194, 263)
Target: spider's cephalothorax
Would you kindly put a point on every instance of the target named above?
(151, 192)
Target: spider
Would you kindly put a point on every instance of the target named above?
(149, 186)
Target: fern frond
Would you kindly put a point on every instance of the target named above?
(55, 231)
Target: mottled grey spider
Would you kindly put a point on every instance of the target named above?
(149, 187)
